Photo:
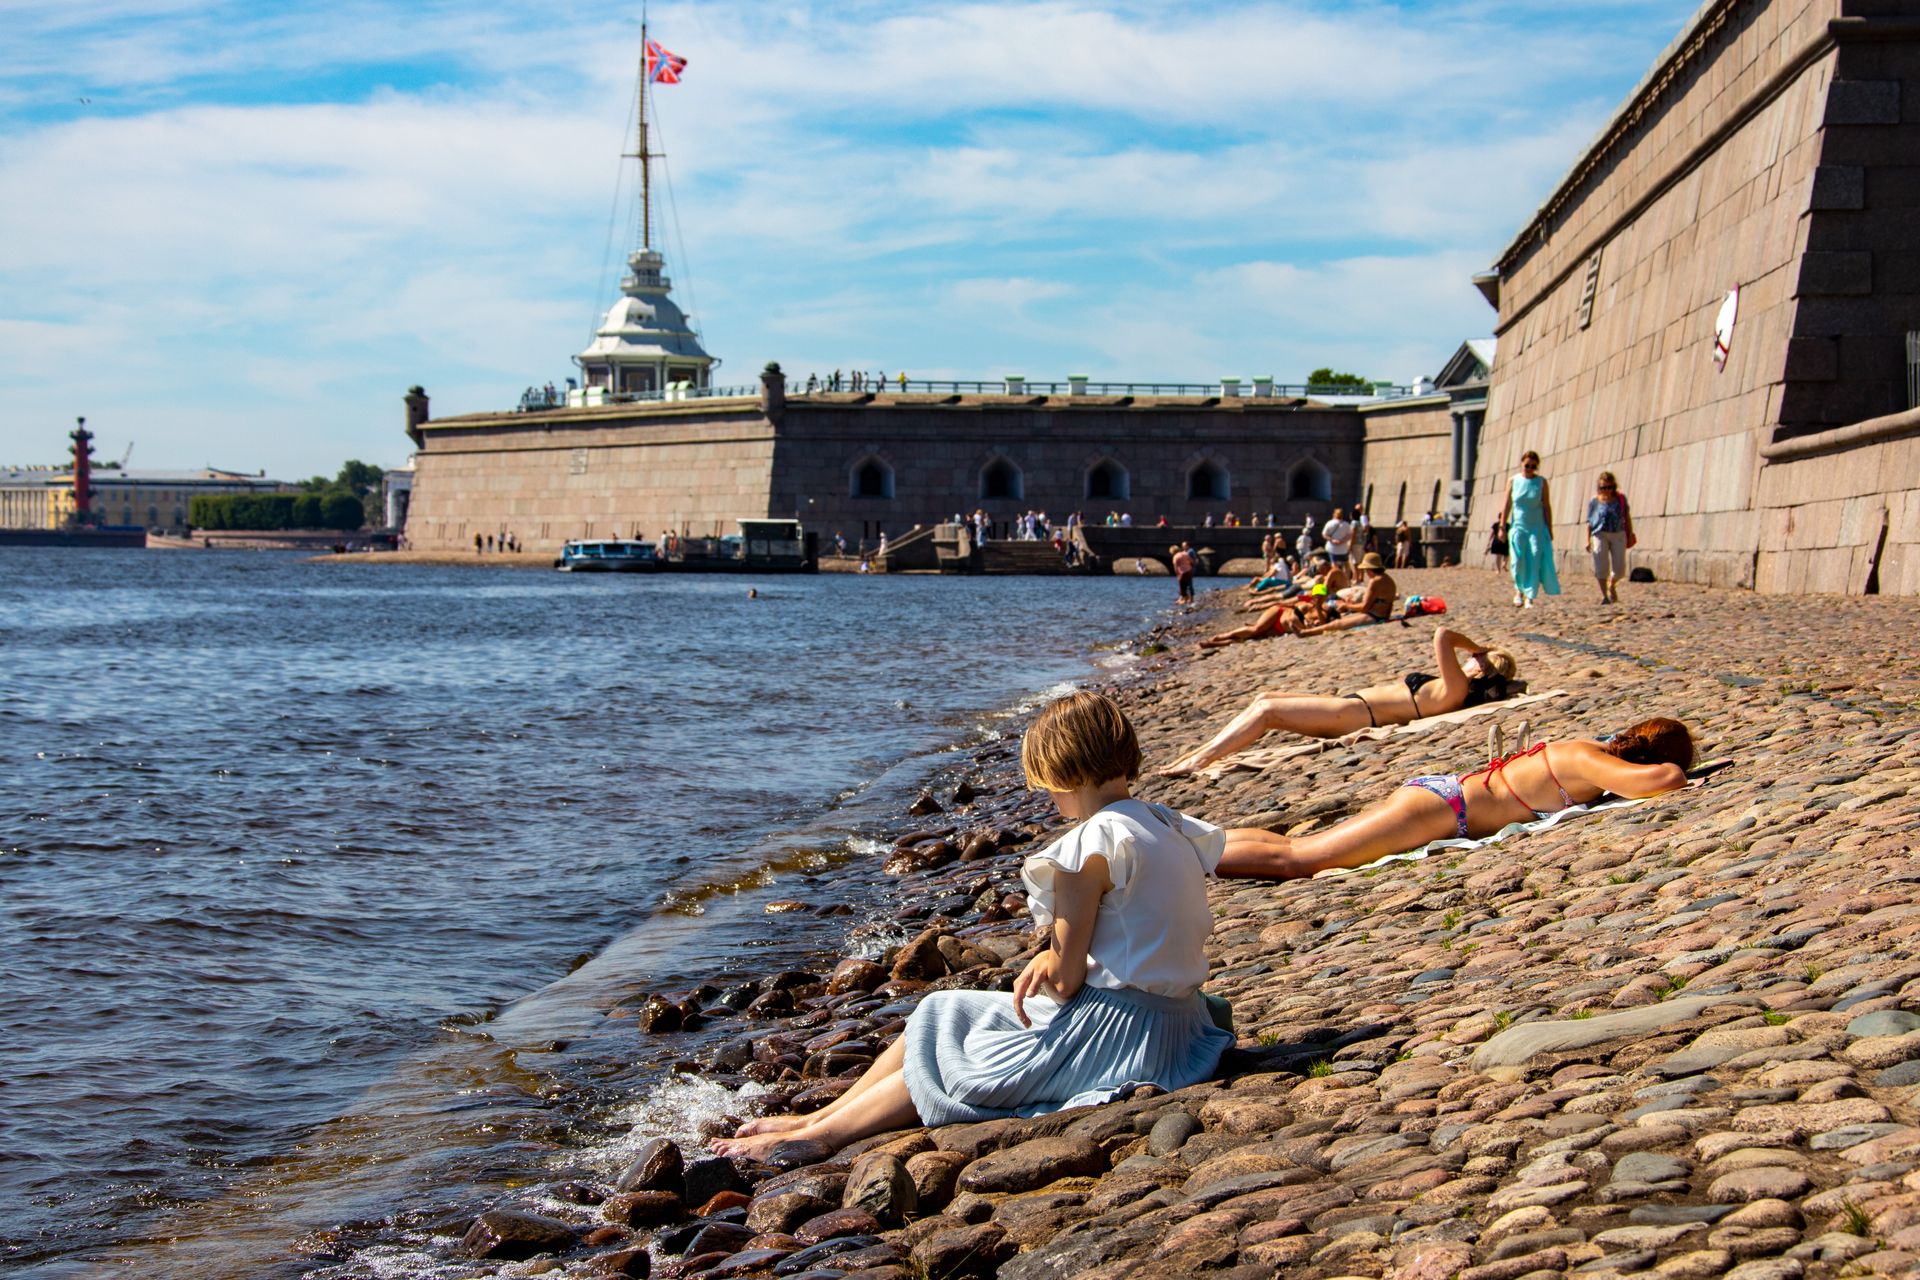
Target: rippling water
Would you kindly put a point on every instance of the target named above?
(319, 879)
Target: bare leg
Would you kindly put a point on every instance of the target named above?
(1312, 716)
(1263, 625)
(1345, 622)
(882, 1105)
(888, 1062)
(1405, 820)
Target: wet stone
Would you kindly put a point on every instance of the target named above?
(515, 1234)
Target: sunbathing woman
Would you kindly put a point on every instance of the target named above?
(1651, 757)
(1469, 674)
(1372, 600)
(1309, 609)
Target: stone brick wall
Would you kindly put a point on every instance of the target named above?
(937, 452)
(1771, 149)
(547, 477)
(1409, 450)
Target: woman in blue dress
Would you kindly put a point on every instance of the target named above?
(1529, 518)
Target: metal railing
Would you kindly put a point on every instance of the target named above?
(1225, 389)
(538, 399)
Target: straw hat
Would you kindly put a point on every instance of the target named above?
(1372, 560)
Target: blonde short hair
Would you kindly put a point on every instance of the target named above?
(1502, 661)
(1081, 740)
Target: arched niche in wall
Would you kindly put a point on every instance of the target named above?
(1000, 478)
(1208, 481)
(1308, 480)
(870, 477)
(1108, 480)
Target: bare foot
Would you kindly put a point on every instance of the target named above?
(755, 1147)
(1185, 765)
(770, 1124)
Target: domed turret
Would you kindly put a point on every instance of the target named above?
(645, 344)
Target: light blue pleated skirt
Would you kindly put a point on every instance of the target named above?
(968, 1058)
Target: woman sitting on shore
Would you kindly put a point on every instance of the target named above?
(1469, 674)
(1645, 760)
(1116, 1000)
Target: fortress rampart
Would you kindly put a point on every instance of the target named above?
(858, 463)
(1774, 148)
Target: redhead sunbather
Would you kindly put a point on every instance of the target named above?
(1645, 760)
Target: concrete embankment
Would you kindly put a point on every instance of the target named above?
(1680, 1040)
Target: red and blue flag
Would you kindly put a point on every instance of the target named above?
(663, 66)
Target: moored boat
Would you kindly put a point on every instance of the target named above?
(607, 555)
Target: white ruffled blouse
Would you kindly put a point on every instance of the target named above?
(1152, 926)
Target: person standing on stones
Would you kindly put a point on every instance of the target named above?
(1338, 532)
(1182, 573)
(1497, 544)
(1609, 534)
(1113, 1003)
(1529, 518)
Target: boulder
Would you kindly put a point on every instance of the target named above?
(964, 1253)
(659, 1015)
(855, 975)
(642, 1208)
(707, 1178)
(880, 1184)
(657, 1166)
(1035, 1164)
(515, 1234)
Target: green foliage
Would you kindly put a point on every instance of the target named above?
(1855, 1221)
(1326, 377)
(1320, 1067)
(1579, 1014)
(1775, 1018)
(1503, 1019)
(276, 511)
(356, 477)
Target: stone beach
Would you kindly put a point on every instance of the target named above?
(1678, 1040)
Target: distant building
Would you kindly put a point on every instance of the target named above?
(42, 498)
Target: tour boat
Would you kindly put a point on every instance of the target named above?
(607, 555)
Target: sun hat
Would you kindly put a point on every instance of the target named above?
(1372, 560)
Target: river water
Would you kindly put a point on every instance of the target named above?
(319, 880)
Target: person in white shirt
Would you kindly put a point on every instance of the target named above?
(1339, 535)
(1113, 1004)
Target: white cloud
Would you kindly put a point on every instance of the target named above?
(1121, 188)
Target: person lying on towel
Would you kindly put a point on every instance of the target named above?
(1469, 674)
(1644, 760)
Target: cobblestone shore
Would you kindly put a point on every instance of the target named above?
(1678, 1041)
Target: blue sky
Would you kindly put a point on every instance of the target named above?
(233, 233)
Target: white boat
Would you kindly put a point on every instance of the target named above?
(607, 555)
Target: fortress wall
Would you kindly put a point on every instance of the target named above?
(547, 477)
(1409, 458)
(1636, 391)
(938, 451)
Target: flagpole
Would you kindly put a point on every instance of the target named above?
(646, 169)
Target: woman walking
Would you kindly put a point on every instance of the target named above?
(1497, 544)
(1609, 534)
(1529, 520)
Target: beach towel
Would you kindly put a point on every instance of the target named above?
(1602, 805)
(1276, 755)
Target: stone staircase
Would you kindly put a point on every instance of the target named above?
(1023, 557)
